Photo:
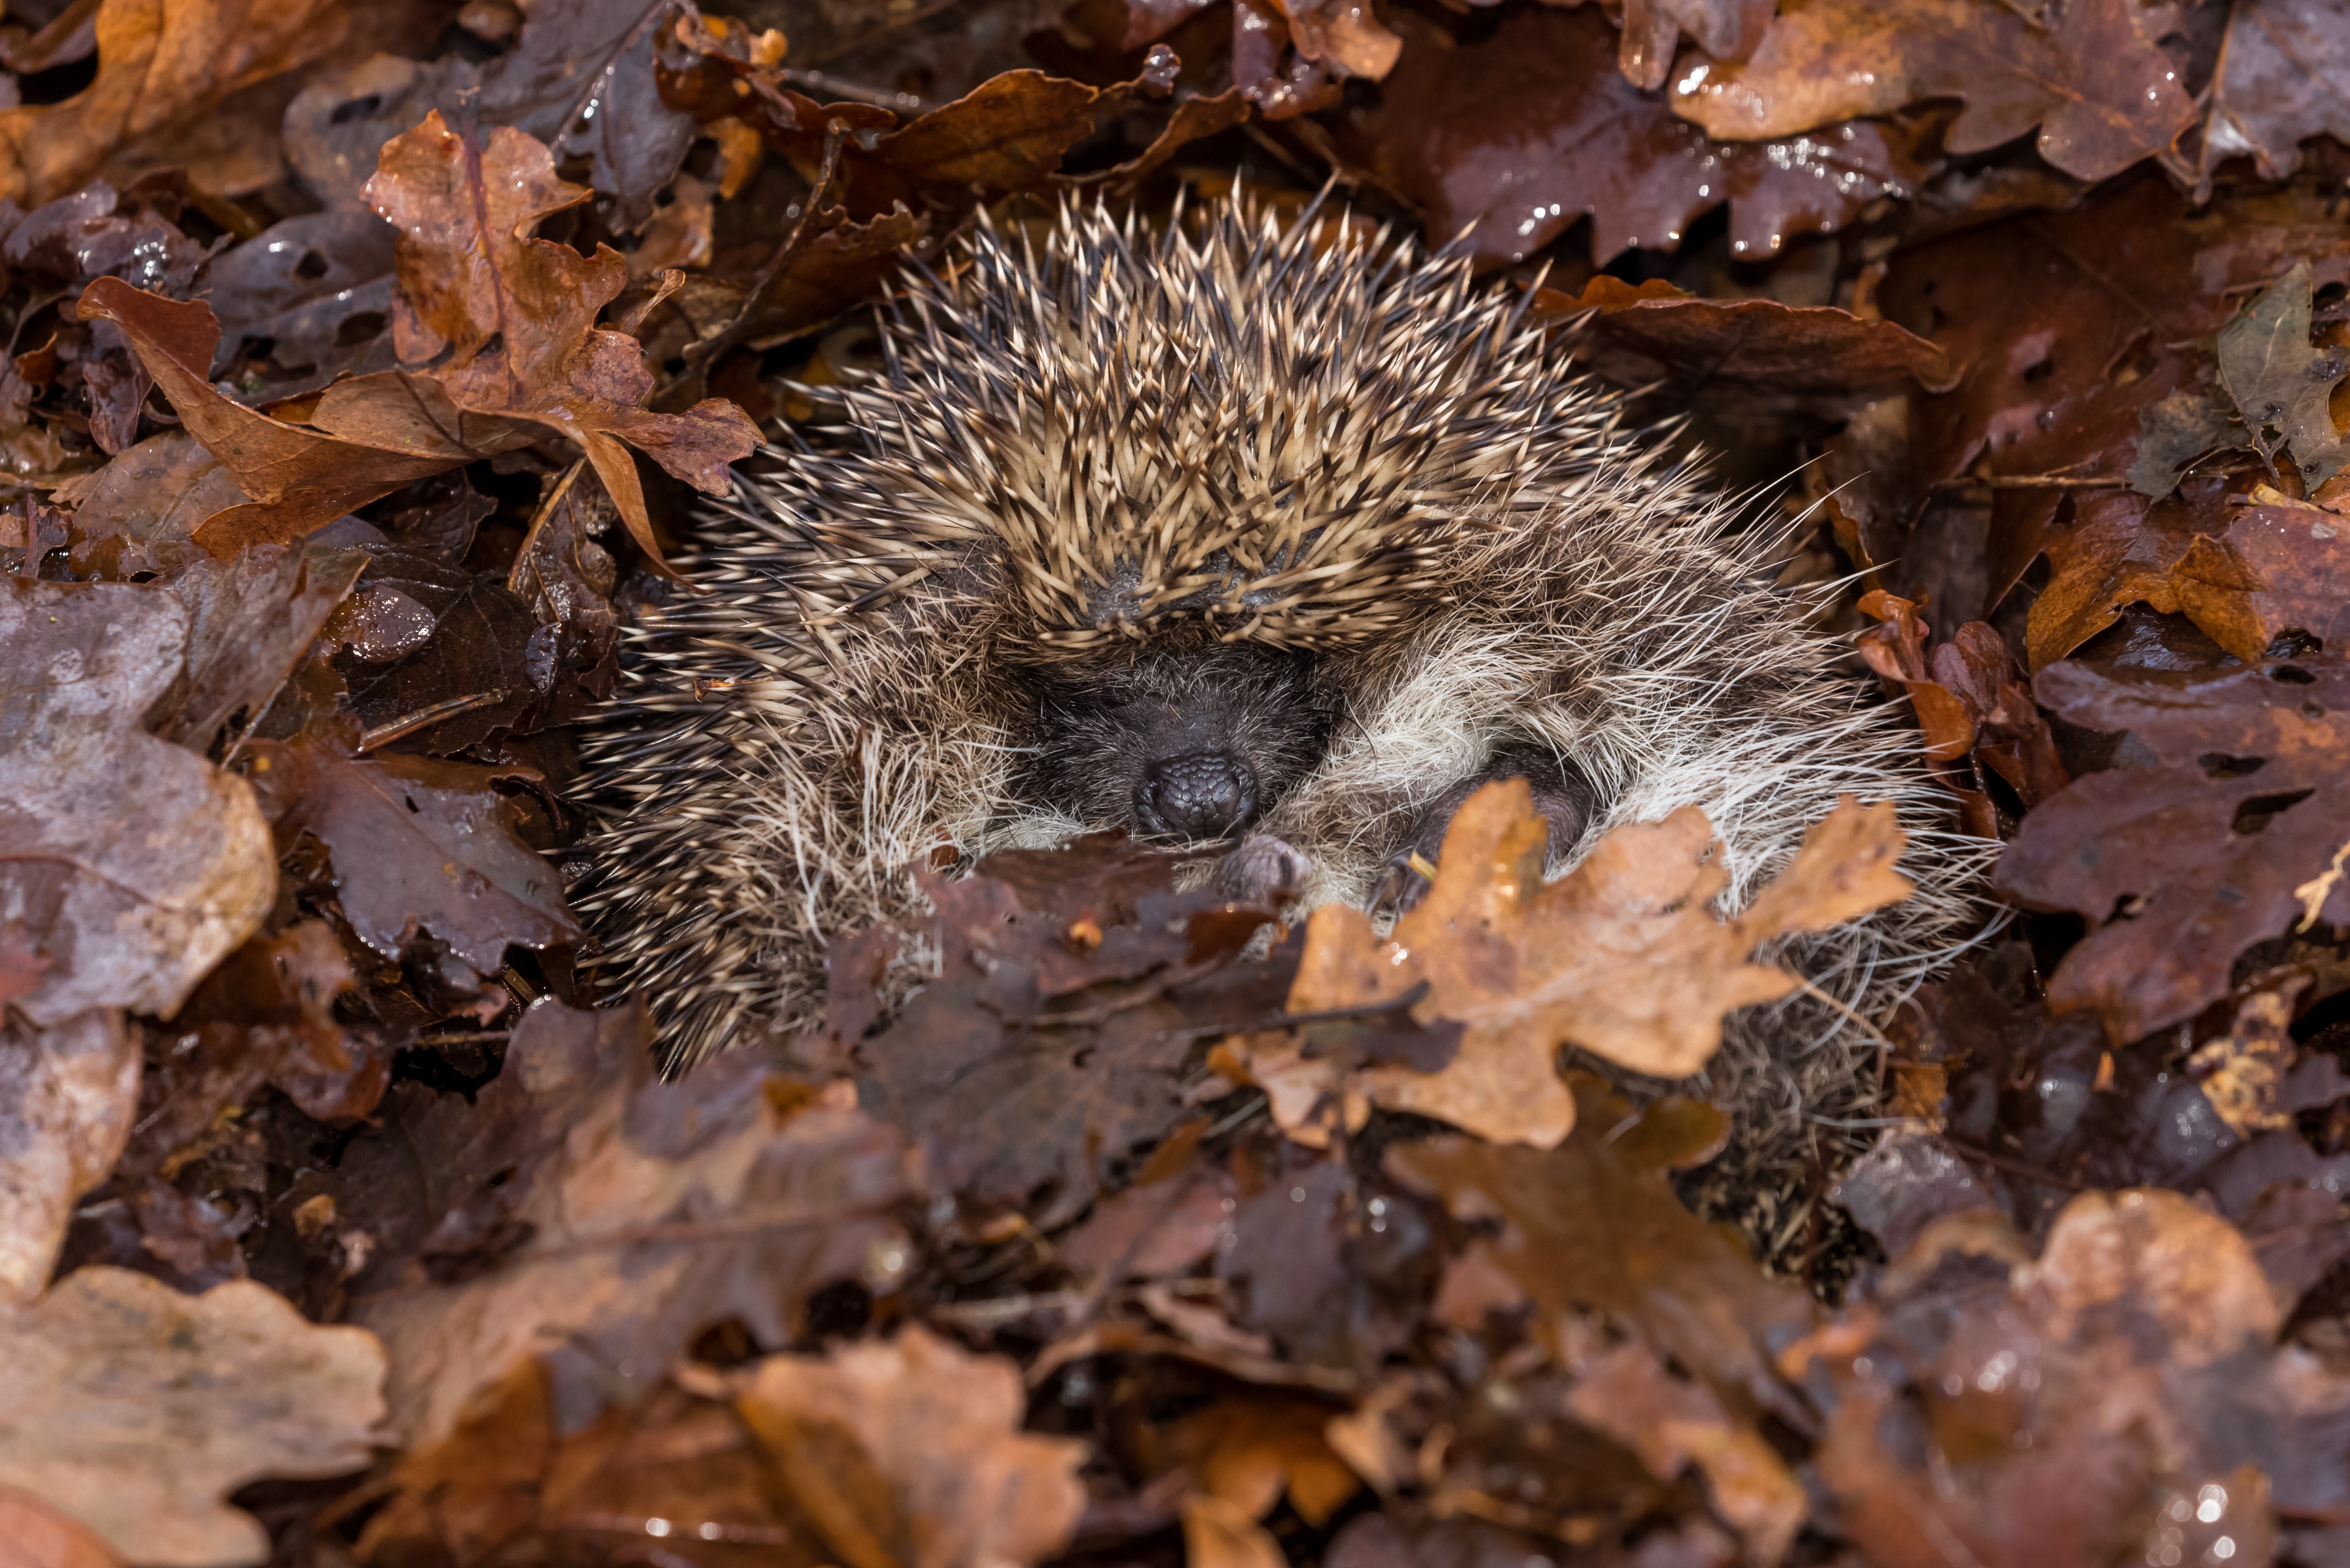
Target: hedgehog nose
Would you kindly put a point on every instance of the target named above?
(1204, 795)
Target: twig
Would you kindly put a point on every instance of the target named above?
(424, 719)
(2030, 481)
(700, 356)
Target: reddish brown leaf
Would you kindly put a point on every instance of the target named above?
(1514, 138)
(161, 64)
(1593, 1223)
(2236, 837)
(2277, 569)
(2094, 81)
(2066, 328)
(418, 846)
(910, 1452)
(1672, 1425)
(1770, 353)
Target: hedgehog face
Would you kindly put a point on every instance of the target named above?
(1183, 742)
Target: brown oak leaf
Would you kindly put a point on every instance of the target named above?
(1623, 956)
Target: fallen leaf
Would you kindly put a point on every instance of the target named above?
(135, 1409)
(2181, 867)
(505, 1483)
(317, 289)
(2280, 384)
(1334, 1269)
(2094, 81)
(68, 1094)
(525, 360)
(1511, 139)
(1774, 354)
(1031, 1061)
(2121, 1398)
(134, 863)
(582, 1213)
(2174, 432)
(1627, 1395)
(2067, 326)
(1593, 1223)
(265, 1016)
(161, 64)
(1623, 956)
(2278, 85)
(578, 74)
(418, 846)
(1251, 1450)
(419, 634)
(2275, 572)
(911, 1452)
(33, 1536)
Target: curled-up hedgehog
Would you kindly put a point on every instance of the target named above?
(1232, 534)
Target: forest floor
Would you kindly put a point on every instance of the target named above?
(366, 362)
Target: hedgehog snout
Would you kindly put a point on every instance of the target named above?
(1202, 794)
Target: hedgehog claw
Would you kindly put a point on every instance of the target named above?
(1263, 871)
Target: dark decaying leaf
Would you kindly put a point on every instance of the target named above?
(2280, 384)
(2235, 836)
(418, 846)
(1511, 138)
(2279, 83)
(1047, 1048)
(265, 1016)
(580, 74)
(579, 1211)
(318, 289)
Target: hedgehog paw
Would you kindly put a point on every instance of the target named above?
(1263, 871)
(1561, 795)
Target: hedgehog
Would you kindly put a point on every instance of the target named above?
(1272, 540)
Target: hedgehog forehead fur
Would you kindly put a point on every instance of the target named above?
(1234, 431)
(1332, 503)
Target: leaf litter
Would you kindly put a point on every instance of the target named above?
(348, 1225)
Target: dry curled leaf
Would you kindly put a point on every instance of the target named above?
(911, 1452)
(525, 361)
(136, 1409)
(1623, 956)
